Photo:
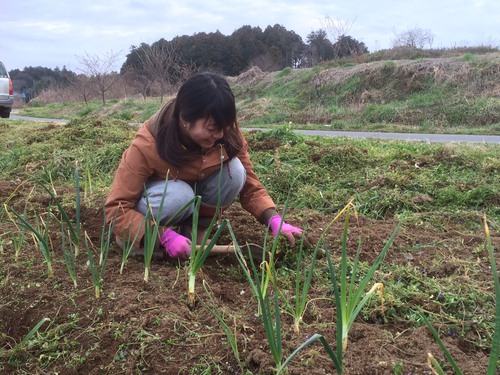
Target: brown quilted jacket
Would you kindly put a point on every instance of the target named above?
(140, 162)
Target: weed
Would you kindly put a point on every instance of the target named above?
(495, 346)
(231, 334)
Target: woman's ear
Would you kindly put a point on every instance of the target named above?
(183, 122)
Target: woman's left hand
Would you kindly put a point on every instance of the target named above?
(278, 225)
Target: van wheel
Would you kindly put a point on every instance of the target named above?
(5, 112)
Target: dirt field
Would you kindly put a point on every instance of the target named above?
(138, 327)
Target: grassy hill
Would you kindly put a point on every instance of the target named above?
(452, 94)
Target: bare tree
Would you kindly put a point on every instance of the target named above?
(414, 38)
(140, 82)
(100, 70)
(162, 64)
(83, 87)
(337, 29)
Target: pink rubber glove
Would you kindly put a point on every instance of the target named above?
(176, 245)
(286, 229)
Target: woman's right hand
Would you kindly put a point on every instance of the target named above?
(176, 245)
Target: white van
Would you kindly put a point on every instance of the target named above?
(6, 92)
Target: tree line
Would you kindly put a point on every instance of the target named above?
(156, 67)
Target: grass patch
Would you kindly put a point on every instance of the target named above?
(439, 192)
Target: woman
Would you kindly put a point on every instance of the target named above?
(182, 146)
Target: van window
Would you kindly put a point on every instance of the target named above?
(3, 71)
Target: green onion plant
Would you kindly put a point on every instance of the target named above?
(78, 208)
(128, 243)
(40, 234)
(258, 279)
(200, 253)
(74, 229)
(152, 231)
(348, 300)
(87, 182)
(106, 238)
(10, 353)
(20, 235)
(301, 300)
(270, 315)
(69, 256)
(271, 320)
(96, 270)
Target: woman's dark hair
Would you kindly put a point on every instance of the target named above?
(203, 96)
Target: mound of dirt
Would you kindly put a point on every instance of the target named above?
(251, 76)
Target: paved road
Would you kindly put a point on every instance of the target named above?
(59, 121)
(442, 138)
(429, 138)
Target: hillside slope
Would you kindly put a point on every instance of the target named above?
(461, 91)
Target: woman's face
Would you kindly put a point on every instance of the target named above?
(204, 132)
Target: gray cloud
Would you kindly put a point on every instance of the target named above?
(52, 33)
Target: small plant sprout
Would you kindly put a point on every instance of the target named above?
(40, 234)
(49, 173)
(336, 359)
(348, 301)
(435, 367)
(431, 361)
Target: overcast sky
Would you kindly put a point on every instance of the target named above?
(52, 33)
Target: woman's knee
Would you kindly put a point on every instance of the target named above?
(237, 174)
(232, 181)
(177, 194)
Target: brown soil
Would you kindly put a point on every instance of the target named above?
(148, 327)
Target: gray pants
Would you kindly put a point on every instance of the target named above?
(178, 192)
